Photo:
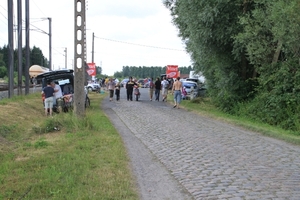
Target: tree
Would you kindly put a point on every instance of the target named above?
(207, 28)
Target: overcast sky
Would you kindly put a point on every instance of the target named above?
(123, 31)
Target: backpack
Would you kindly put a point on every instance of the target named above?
(151, 84)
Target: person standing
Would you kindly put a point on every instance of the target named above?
(117, 91)
(157, 88)
(111, 88)
(48, 91)
(165, 86)
(176, 90)
(57, 92)
(129, 87)
(151, 88)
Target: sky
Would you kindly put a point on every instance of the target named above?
(127, 33)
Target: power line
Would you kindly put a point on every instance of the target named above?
(142, 45)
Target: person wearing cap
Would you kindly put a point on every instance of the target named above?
(129, 88)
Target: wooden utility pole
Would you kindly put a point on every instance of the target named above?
(10, 16)
(27, 48)
(20, 55)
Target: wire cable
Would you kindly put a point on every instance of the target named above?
(142, 45)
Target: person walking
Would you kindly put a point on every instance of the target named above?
(111, 88)
(48, 91)
(165, 86)
(117, 91)
(176, 90)
(151, 88)
(157, 88)
(129, 88)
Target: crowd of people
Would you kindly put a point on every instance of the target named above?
(156, 88)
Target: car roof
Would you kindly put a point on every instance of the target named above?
(189, 82)
(54, 74)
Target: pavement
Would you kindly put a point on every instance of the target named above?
(177, 154)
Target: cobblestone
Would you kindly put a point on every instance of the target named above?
(212, 159)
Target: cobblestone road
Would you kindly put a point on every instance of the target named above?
(211, 159)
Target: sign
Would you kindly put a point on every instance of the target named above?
(172, 71)
(92, 69)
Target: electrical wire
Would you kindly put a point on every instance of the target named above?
(142, 45)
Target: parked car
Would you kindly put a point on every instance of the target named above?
(141, 83)
(123, 82)
(95, 87)
(65, 79)
(191, 88)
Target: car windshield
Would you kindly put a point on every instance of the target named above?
(189, 84)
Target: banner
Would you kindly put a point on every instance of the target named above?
(172, 71)
(92, 69)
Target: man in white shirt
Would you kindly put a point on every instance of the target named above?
(165, 86)
(57, 92)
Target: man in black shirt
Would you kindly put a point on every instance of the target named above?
(129, 87)
(157, 88)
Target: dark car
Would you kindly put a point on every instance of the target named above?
(65, 79)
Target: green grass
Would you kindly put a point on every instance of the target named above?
(62, 157)
(204, 107)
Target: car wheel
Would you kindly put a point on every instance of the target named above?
(90, 89)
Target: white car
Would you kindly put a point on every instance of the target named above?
(191, 88)
(93, 87)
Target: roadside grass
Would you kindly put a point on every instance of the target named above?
(204, 107)
(63, 157)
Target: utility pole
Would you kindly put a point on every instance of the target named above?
(10, 14)
(66, 66)
(50, 44)
(27, 48)
(79, 57)
(93, 48)
(20, 56)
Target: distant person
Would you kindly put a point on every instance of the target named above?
(117, 91)
(48, 91)
(176, 90)
(151, 88)
(165, 86)
(111, 88)
(129, 87)
(157, 88)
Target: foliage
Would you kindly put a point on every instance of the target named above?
(248, 53)
(36, 58)
(143, 72)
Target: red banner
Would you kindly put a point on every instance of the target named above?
(92, 69)
(172, 71)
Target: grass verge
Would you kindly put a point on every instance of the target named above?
(204, 107)
(61, 157)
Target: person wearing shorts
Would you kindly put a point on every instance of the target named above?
(176, 90)
(48, 91)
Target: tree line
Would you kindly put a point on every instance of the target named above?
(36, 58)
(249, 53)
(145, 71)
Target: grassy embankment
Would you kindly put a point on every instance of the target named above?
(61, 157)
(84, 159)
(203, 106)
